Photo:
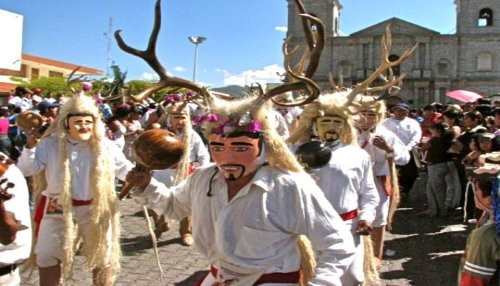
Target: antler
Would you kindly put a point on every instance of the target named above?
(70, 80)
(300, 79)
(149, 55)
(386, 64)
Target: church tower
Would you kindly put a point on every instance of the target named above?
(327, 10)
(478, 16)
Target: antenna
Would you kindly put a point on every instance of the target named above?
(108, 37)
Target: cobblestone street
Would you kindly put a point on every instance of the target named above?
(419, 251)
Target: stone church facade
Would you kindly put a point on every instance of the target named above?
(468, 59)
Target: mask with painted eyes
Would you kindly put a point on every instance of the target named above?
(330, 128)
(237, 157)
(367, 121)
(80, 127)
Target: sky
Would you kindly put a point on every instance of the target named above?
(243, 43)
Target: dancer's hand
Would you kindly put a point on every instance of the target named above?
(364, 228)
(139, 178)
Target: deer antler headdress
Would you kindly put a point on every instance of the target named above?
(348, 102)
(238, 112)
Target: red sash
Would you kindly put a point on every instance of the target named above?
(349, 215)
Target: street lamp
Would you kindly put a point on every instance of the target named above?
(196, 41)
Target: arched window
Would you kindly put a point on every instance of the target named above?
(485, 18)
(395, 69)
(484, 61)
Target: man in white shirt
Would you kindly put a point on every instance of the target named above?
(410, 133)
(78, 165)
(177, 120)
(15, 224)
(385, 150)
(252, 208)
(347, 179)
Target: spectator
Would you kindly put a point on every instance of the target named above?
(409, 131)
(437, 157)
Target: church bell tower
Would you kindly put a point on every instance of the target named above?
(478, 16)
(327, 10)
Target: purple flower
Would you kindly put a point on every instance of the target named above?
(172, 98)
(254, 126)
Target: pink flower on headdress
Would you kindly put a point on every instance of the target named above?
(210, 117)
(254, 126)
(188, 94)
(87, 86)
(172, 98)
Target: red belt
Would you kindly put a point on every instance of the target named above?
(81, 202)
(349, 215)
(41, 207)
(277, 277)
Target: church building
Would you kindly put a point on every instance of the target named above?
(468, 59)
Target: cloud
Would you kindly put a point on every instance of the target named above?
(180, 69)
(268, 74)
(147, 76)
(281, 28)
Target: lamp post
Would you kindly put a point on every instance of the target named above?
(196, 41)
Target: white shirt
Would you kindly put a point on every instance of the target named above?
(257, 230)
(46, 156)
(199, 153)
(20, 248)
(408, 130)
(348, 184)
(379, 156)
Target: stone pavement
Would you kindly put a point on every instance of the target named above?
(419, 251)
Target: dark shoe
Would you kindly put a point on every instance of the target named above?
(425, 213)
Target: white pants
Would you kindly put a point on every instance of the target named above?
(49, 247)
(355, 274)
(210, 280)
(11, 279)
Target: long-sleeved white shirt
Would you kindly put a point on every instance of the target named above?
(348, 184)
(47, 156)
(199, 152)
(257, 231)
(20, 248)
(408, 130)
(401, 156)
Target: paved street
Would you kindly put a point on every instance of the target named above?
(420, 251)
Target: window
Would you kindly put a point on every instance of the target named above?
(24, 70)
(484, 61)
(366, 53)
(35, 73)
(421, 55)
(55, 74)
(345, 69)
(421, 98)
(395, 69)
(443, 67)
(485, 18)
(442, 94)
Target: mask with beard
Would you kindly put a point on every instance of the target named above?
(330, 128)
(236, 157)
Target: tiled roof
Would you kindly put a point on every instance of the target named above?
(82, 69)
(6, 87)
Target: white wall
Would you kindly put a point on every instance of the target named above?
(11, 33)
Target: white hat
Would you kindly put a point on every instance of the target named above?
(36, 98)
